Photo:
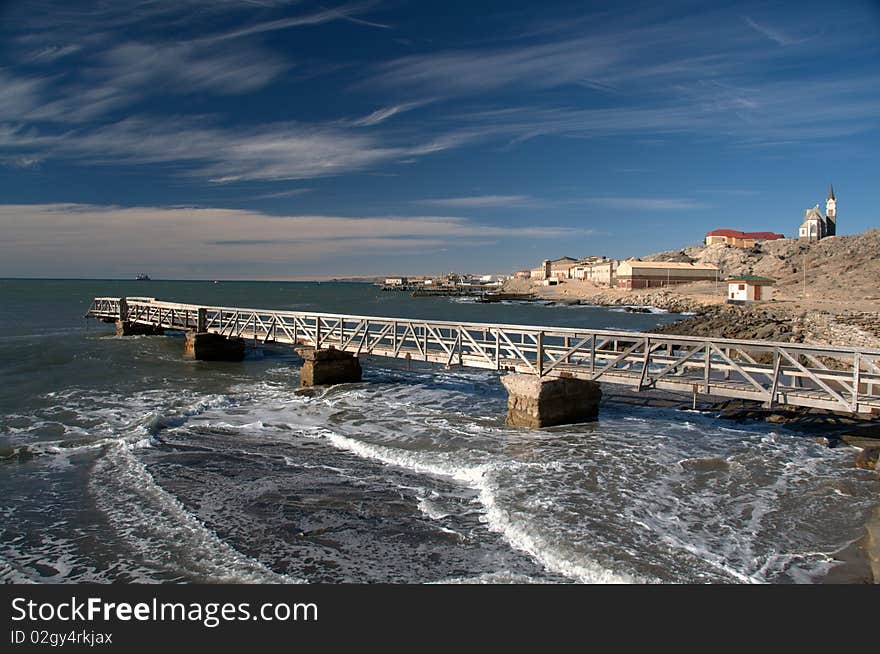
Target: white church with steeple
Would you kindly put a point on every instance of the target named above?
(816, 226)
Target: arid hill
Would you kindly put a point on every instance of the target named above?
(839, 303)
(839, 269)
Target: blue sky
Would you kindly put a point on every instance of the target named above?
(273, 139)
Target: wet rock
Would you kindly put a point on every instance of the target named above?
(20, 454)
(867, 458)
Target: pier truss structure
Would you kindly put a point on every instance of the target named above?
(830, 377)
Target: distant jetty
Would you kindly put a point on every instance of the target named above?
(508, 297)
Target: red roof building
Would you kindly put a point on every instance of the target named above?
(739, 239)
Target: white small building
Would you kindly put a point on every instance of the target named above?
(395, 281)
(749, 288)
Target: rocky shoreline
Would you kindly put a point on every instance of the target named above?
(742, 322)
(663, 300)
(859, 563)
(840, 306)
(770, 322)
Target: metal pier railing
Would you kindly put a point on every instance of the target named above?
(821, 376)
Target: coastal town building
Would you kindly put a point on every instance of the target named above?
(656, 274)
(600, 271)
(542, 271)
(604, 273)
(739, 239)
(395, 281)
(815, 226)
(492, 280)
(553, 268)
(749, 288)
(559, 267)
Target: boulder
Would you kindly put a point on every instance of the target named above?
(867, 458)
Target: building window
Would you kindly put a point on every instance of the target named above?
(742, 287)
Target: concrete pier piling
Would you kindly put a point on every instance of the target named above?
(204, 346)
(535, 403)
(328, 367)
(126, 328)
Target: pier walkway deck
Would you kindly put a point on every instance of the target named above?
(827, 377)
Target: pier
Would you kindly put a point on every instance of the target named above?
(555, 373)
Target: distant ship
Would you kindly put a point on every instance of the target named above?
(143, 277)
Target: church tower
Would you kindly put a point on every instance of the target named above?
(831, 213)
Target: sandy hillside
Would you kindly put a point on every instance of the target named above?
(842, 272)
(842, 276)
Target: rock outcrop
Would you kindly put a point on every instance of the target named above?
(742, 322)
(838, 267)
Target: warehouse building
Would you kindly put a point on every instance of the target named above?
(657, 274)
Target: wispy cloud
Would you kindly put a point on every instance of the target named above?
(762, 112)
(773, 34)
(19, 95)
(38, 237)
(529, 202)
(281, 194)
(189, 68)
(383, 114)
(612, 57)
(346, 12)
(482, 201)
(536, 66)
(272, 152)
(647, 204)
(47, 21)
(129, 72)
(726, 191)
(649, 79)
(51, 53)
(176, 50)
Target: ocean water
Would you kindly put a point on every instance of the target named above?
(122, 462)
